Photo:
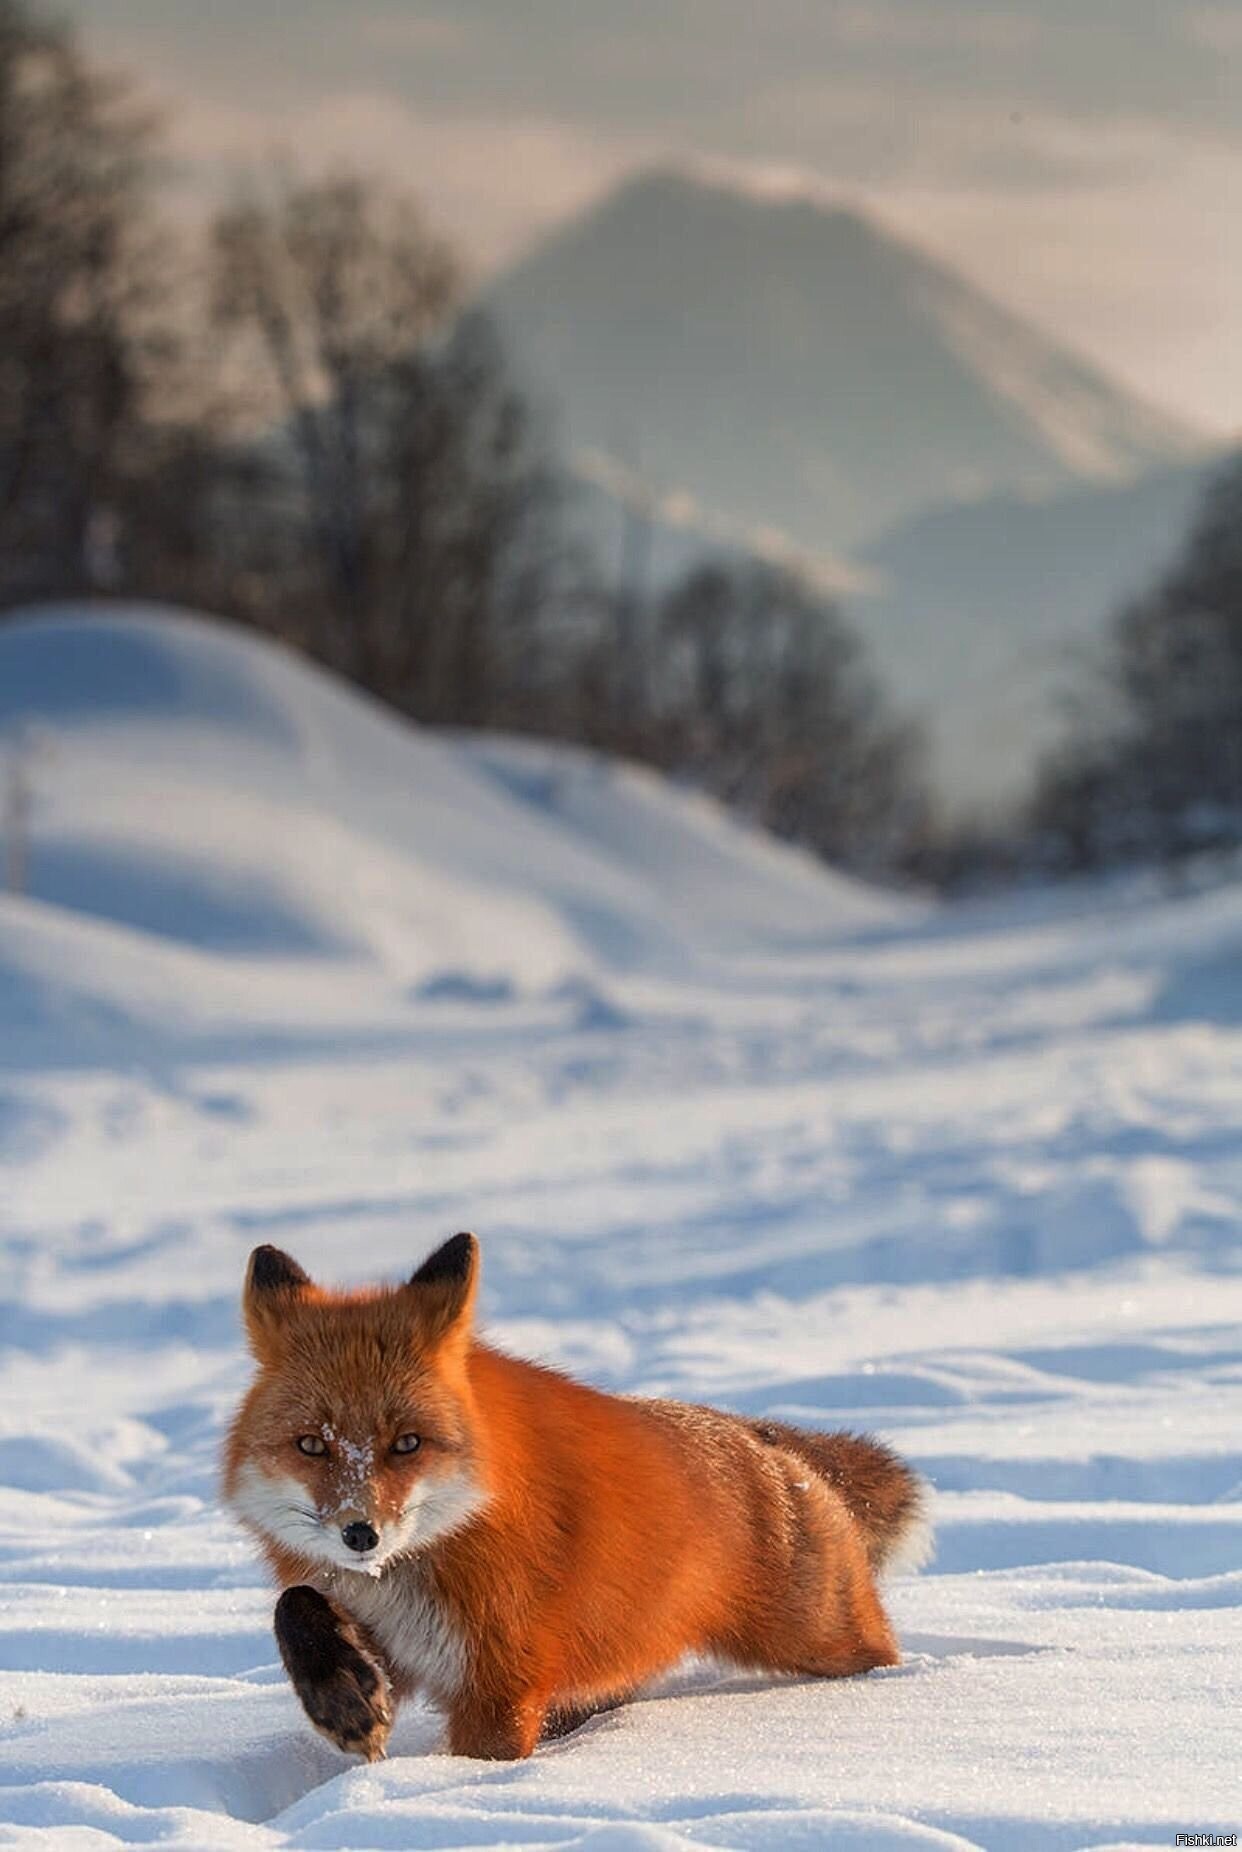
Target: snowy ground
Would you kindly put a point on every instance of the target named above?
(727, 1128)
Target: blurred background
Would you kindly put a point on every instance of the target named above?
(832, 411)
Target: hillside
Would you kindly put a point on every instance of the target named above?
(795, 368)
(205, 803)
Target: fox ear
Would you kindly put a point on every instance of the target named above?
(446, 1284)
(274, 1282)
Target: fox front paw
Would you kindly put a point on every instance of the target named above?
(352, 1707)
(343, 1689)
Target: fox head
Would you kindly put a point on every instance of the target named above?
(355, 1444)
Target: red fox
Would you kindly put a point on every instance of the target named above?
(521, 1548)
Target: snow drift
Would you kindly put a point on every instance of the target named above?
(211, 792)
(287, 810)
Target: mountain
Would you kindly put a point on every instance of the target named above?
(797, 370)
(986, 617)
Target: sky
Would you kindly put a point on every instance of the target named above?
(1082, 159)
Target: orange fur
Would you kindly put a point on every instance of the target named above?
(588, 1541)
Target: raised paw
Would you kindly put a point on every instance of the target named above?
(343, 1688)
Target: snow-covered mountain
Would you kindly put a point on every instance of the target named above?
(796, 369)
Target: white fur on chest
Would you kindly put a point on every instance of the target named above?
(409, 1626)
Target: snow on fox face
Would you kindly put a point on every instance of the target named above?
(353, 1445)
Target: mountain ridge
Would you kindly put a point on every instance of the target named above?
(799, 368)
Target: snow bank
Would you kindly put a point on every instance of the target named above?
(203, 787)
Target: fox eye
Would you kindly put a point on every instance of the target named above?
(312, 1443)
(407, 1443)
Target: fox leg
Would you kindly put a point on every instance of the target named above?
(823, 1617)
(563, 1719)
(857, 1638)
(337, 1675)
(494, 1728)
(844, 1656)
(840, 1650)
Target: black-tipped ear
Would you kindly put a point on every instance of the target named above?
(270, 1269)
(454, 1263)
(274, 1281)
(446, 1284)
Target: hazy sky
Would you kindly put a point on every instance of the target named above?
(1082, 158)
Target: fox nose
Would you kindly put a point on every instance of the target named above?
(360, 1536)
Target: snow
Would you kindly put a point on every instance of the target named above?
(728, 1127)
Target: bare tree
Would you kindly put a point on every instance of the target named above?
(331, 284)
(770, 703)
(1153, 767)
(410, 463)
(79, 282)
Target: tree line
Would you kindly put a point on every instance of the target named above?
(1150, 769)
